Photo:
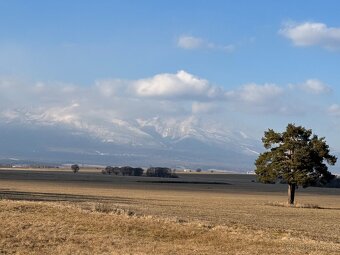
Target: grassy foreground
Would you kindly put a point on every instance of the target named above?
(30, 227)
(58, 212)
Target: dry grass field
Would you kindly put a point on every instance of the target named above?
(58, 212)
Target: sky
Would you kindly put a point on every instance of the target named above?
(249, 65)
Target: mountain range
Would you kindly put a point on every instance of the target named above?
(185, 143)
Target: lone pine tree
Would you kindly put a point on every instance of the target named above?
(296, 156)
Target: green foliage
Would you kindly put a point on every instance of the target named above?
(295, 156)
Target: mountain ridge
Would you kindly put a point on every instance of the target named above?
(190, 142)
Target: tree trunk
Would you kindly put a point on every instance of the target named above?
(291, 193)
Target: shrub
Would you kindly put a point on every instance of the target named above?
(108, 170)
(75, 168)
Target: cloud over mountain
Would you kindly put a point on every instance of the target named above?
(174, 95)
(174, 112)
(181, 85)
(256, 94)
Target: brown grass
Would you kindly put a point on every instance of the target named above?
(296, 205)
(109, 208)
(56, 228)
(107, 215)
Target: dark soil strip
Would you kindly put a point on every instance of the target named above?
(38, 196)
(187, 182)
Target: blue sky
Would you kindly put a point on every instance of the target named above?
(81, 41)
(253, 64)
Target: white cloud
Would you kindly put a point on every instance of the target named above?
(203, 108)
(178, 95)
(192, 43)
(315, 86)
(256, 94)
(311, 86)
(110, 88)
(334, 110)
(181, 85)
(259, 99)
(310, 34)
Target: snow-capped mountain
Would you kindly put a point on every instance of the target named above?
(175, 132)
(189, 142)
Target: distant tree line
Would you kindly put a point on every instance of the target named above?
(137, 171)
(160, 172)
(124, 171)
(334, 183)
(5, 165)
(27, 166)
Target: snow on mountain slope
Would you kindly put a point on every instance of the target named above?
(113, 131)
(156, 140)
(192, 128)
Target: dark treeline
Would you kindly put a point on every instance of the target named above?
(334, 183)
(137, 171)
(125, 171)
(160, 172)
